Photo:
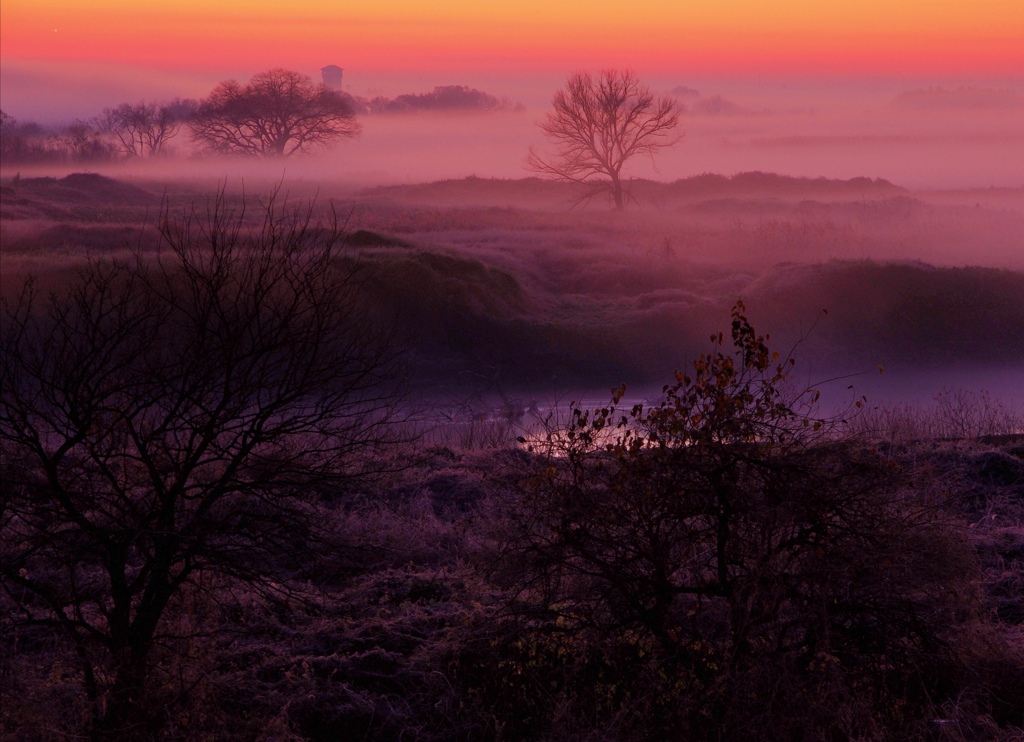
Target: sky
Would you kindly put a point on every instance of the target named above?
(827, 72)
(929, 37)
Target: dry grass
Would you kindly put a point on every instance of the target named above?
(954, 414)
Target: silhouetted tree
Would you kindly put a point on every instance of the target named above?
(145, 128)
(276, 114)
(598, 125)
(172, 419)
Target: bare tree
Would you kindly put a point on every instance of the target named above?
(276, 114)
(598, 125)
(145, 128)
(166, 421)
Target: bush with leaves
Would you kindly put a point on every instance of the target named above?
(781, 578)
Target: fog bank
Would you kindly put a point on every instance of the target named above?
(920, 133)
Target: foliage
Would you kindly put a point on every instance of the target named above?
(771, 568)
(599, 125)
(278, 113)
(166, 421)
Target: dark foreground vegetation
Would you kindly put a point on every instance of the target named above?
(223, 518)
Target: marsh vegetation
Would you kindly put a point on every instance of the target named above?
(308, 465)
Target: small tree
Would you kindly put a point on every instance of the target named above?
(278, 113)
(171, 419)
(599, 125)
(145, 128)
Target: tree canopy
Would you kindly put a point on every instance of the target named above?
(278, 113)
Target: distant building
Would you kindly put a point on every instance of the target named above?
(332, 76)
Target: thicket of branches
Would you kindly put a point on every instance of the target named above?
(145, 129)
(768, 577)
(77, 141)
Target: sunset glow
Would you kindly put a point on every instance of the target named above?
(793, 36)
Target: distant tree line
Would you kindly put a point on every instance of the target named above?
(278, 113)
(445, 98)
(598, 125)
(29, 141)
(141, 129)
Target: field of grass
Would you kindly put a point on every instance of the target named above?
(505, 280)
(396, 627)
(450, 596)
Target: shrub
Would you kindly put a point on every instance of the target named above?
(783, 581)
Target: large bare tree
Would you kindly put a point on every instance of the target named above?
(278, 113)
(167, 421)
(598, 125)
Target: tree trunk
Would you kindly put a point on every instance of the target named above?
(124, 715)
(617, 194)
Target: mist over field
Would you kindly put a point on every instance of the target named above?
(505, 287)
(493, 388)
(882, 218)
(922, 133)
(506, 303)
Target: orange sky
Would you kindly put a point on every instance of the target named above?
(705, 36)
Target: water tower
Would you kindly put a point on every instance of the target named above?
(332, 76)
